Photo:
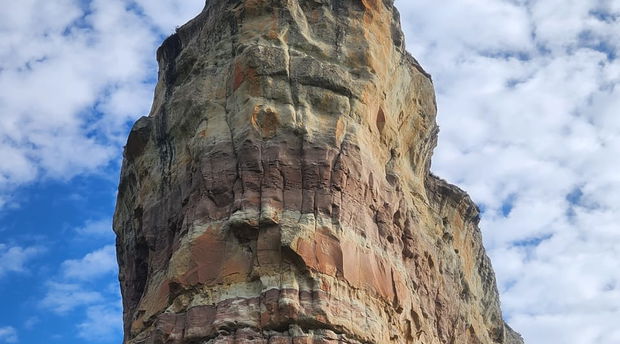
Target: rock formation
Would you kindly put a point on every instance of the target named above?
(279, 191)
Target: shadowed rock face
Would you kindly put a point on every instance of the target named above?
(279, 191)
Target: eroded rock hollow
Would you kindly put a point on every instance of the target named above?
(279, 191)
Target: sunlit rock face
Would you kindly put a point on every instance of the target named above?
(279, 191)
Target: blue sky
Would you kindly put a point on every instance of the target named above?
(73, 76)
(528, 94)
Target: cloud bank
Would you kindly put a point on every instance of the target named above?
(73, 74)
(528, 100)
(528, 95)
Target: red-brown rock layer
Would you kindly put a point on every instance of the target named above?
(279, 191)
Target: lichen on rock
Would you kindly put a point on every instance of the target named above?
(280, 189)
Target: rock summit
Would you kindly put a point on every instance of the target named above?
(280, 189)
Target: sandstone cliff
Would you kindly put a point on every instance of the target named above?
(279, 191)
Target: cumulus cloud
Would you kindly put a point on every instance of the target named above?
(73, 74)
(8, 334)
(528, 95)
(15, 258)
(94, 265)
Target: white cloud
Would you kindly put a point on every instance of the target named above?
(528, 102)
(528, 106)
(8, 335)
(15, 258)
(64, 297)
(96, 228)
(92, 266)
(73, 74)
(88, 288)
(168, 14)
(102, 323)
(31, 322)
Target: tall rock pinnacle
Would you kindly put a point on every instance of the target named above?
(279, 191)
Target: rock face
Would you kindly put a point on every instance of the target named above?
(279, 191)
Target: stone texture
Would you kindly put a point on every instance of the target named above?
(279, 191)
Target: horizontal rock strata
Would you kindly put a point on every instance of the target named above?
(279, 191)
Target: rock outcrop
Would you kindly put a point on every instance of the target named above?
(279, 191)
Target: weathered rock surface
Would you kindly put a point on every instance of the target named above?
(279, 191)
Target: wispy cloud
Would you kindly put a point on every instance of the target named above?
(15, 258)
(31, 322)
(64, 297)
(80, 282)
(8, 334)
(96, 228)
(87, 288)
(102, 322)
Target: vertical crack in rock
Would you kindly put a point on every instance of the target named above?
(279, 191)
